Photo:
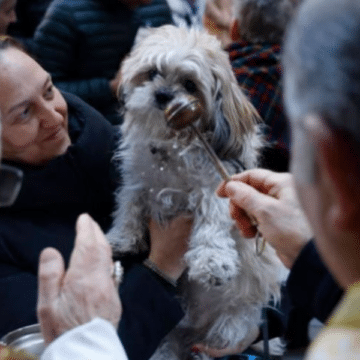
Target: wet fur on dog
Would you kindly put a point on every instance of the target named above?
(167, 173)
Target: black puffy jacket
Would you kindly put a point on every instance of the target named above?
(29, 13)
(51, 198)
(81, 44)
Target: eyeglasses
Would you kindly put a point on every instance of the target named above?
(10, 184)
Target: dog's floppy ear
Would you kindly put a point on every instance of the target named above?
(235, 117)
(221, 129)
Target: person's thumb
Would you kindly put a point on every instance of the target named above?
(51, 272)
(247, 198)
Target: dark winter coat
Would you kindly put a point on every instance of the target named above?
(81, 44)
(312, 292)
(29, 13)
(44, 214)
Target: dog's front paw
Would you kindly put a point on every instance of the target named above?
(198, 356)
(212, 267)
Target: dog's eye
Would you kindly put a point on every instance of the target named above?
(190, 86)
(152, 73)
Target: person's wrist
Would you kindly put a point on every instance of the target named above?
(171, 269)
(154, 268)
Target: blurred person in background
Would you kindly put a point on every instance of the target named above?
(82, 43)
(29, 14)
(255, 54)
(218, 19)
(7, 15)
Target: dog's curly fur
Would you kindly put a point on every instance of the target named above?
(168, 172)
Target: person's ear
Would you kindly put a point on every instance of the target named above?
(339, 169)
(235, 31)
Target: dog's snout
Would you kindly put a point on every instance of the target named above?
(163, 96)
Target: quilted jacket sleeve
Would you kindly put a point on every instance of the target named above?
(56, 41)
(311, 286)
(150, 312)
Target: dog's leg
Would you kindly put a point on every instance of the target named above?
(212, 257)
(177, 346)
(235, 330)
(129, 226)
(277, 346)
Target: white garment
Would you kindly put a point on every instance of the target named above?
(95, 340)
(184, 16)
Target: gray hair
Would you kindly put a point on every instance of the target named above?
(322, 63)
(264, 20)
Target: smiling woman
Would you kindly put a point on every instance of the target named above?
(64, 149)
(35, 116)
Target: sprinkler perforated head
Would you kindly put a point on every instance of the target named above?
(183, 112)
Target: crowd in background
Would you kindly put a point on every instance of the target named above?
(60, 116)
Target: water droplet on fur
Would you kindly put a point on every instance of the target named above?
(151, 190)
(175, 146)
(161, 168)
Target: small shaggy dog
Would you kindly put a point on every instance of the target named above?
(167, 172)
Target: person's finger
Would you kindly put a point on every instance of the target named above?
(51, 272)
(248, 199)
(84, 230)
(103, 243)
(91, 248)
(246, 203)
(243, 221)
(85, 242)
(221, 189)
(262, 180)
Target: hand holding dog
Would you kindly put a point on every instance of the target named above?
(271, 199)
(217, 353)
(85, 291)
(169, 244)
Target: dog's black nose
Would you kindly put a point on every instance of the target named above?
(163, 96)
